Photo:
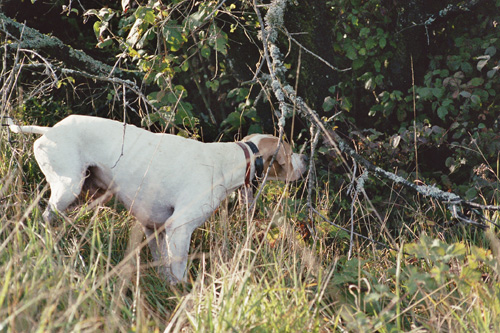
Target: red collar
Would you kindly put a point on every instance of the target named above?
(247, 158)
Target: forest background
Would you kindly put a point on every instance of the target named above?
(411, 86)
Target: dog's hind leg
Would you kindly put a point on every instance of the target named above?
(158, 247)
(64, 173)
(63, 192)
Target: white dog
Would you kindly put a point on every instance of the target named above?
(169, 183)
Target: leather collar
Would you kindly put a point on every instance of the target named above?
(259, 162)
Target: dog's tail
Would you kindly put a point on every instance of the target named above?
(25, 129)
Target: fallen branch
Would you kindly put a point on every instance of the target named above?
(34, 40)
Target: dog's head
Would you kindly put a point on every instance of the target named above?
(287, 166)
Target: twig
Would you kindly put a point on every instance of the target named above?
(459, 216)
(314, 54)
(124, 125)
(479, 206)
(48, 65)
(354, 197)
(312, 176)
(215, 10)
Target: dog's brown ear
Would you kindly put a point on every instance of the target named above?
(284, 154)
(267, 147)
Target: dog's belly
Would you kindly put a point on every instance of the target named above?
(150, 213)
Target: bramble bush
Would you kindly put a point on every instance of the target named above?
(435, 82)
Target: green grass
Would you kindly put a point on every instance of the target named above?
(258, 275)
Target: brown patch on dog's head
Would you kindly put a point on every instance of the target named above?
(287, 165)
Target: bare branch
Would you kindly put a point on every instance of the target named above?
(33, 40)
(289, 35)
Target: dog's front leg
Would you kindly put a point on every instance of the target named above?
(169, 247)
(177, 244)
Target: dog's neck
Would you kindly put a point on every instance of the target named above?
(258, 164)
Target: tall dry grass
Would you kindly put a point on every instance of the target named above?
(91, 271)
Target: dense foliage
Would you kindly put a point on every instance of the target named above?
(419, 92)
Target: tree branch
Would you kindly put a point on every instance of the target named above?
(55, 48)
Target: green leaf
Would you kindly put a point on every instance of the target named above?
(475, 99)
(491, 51)
(346, 104)
(442, 111)
(374, 109)
(219, 39)
(465, 94)
(195, 20)
(255, 128)
(424, 93)
(149, 16)
(466, 67)
(102, 26)
(401, 114)
(438, 92)
(97, 29)
(350, 52)
(172, 35)
(354, 20)
(329, 103)
(108, 41)
(184, 116)
(205, 51)
(382, 42)
(364, 32)
(234, 120)
(358, 63)
(492, 72)
(471, 194)
(476, 82)
(370, 43)
(213, 85)
(221, 43)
